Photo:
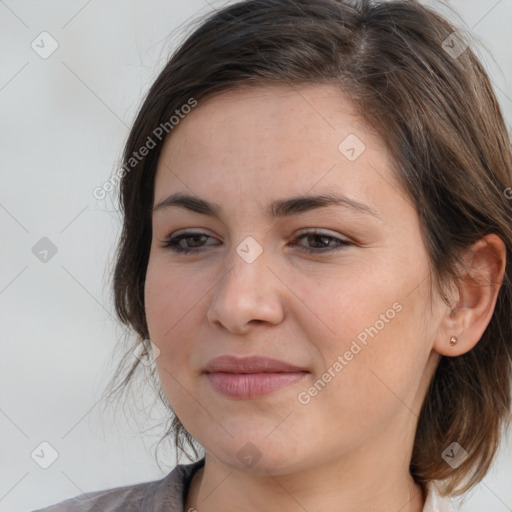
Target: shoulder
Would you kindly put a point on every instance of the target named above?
(142, 497)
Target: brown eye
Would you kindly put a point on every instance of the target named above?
(321, 242)
(186, 242)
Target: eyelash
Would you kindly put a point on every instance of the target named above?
(172, 242)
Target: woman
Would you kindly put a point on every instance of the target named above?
(317, 219)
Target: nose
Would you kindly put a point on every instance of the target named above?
(247, 294)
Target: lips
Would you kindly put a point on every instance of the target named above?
(252, 364)
(251, 377)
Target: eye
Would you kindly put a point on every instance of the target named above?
(321, 242)
(190, 241)
(175, 243)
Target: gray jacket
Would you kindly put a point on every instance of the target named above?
(167, 494)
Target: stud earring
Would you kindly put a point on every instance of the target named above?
(453, 341)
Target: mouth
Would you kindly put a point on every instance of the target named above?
(252, 364)
(251, 377)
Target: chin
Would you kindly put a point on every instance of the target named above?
(257, 455)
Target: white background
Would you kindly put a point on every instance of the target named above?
(63, 123)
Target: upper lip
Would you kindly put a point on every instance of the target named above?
(252, 364)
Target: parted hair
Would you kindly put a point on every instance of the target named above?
(408, 72)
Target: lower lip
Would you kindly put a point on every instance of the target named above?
(251, 385)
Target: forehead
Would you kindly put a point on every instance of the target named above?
(245, 116)
(273, 137)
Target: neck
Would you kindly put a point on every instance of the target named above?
(329, 487)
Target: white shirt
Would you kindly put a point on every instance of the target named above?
(435, 502)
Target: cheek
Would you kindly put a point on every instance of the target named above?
(176, 308)
(345, 304)
(363, 386)
(168, 295)
(171, 309)
(366, 332)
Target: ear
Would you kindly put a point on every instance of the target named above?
(476, 294)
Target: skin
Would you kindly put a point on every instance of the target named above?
(349, 447)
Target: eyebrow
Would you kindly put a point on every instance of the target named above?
(279, 208)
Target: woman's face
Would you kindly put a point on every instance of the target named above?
(348, 305)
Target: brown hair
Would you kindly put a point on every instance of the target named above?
(440, 119)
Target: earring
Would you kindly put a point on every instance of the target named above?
(453, 341)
